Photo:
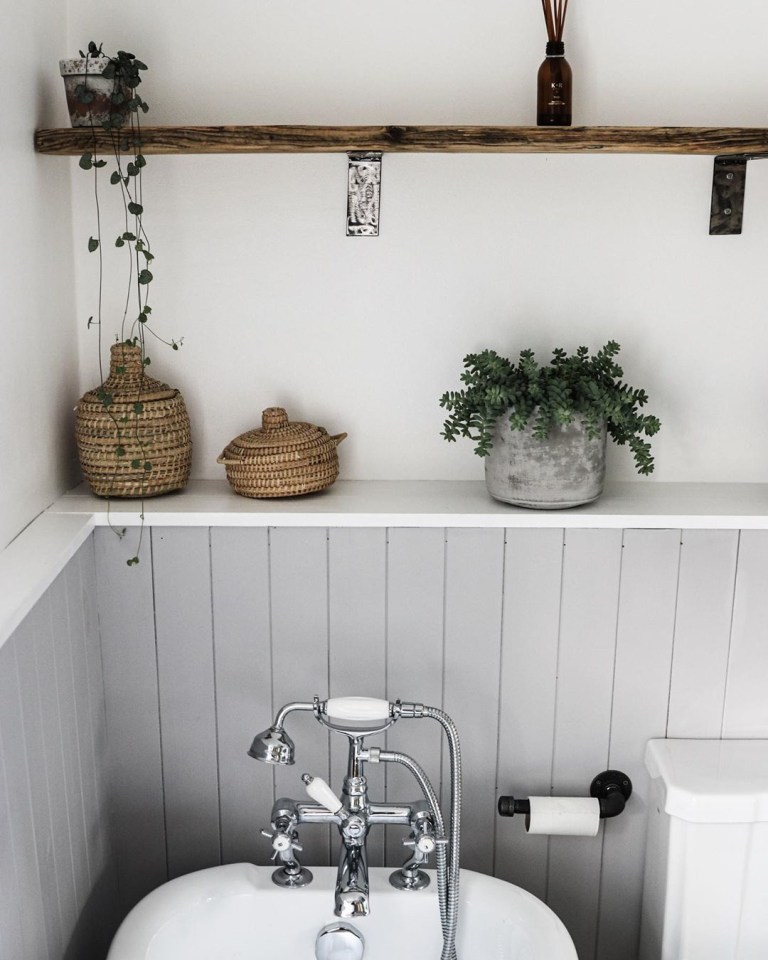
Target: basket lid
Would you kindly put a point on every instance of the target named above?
(280, 439)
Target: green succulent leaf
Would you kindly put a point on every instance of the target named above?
(580, 387)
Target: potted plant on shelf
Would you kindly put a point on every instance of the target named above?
(132, 431)
(542, 429)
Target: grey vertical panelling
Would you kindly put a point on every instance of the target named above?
(185, 669)
(21, 905)
(591, 568)
(56, 762)
(702, 632)
(62, 901)
(241, 624)
(646, 623)
(63, 687)
(473, 591)
(746, 702)
(11, 943)
(299, 599)
(446, 606)
(532, 583)
(51, 866)
(127, 626)
(357, 560)
(415, 598)
(101, 912)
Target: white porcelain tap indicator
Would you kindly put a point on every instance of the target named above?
(321, 793)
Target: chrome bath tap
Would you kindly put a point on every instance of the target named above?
(354, 813)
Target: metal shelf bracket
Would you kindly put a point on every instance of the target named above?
(363, 194)
(728, 184)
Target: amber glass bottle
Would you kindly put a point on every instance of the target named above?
(553, 101)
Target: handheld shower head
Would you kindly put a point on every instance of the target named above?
(273, 746)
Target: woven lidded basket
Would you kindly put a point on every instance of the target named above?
(282, 459)
(133, 434)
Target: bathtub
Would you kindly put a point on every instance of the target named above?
(235, 912)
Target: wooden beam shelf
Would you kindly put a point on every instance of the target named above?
(720, 141)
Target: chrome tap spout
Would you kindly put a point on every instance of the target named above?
(352, 883)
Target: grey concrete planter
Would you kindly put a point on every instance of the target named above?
(565, 470)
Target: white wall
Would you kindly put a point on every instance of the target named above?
(276, 305)
(38, 359)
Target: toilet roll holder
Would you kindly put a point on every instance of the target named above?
(611, 788)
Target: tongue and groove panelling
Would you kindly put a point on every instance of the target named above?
(558, 652)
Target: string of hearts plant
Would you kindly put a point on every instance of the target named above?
(125, 466)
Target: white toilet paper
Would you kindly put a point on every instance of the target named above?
(564, 816)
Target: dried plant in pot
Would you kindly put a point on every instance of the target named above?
(132, 431)
(542, 429)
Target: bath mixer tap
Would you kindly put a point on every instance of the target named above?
(353, 813)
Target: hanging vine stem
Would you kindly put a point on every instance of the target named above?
(124, 105)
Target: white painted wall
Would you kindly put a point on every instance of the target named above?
(276, 305)
(38, 359)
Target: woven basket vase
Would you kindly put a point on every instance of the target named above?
(139, 445)
(282, 459)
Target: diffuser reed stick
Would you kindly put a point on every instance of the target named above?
(554, 17)
(553, 100)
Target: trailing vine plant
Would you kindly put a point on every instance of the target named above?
(122, 124)
(580, 386)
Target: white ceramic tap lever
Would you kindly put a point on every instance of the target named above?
(357, 709)
(321, 793)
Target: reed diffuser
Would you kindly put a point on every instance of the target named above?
(554, 86)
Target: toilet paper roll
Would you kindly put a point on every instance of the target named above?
(564, 816)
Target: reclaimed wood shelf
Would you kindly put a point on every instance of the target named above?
(711, 141)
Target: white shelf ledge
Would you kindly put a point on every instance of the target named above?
(30, 564)
(427, 503)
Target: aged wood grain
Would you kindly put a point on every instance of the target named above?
(440, 139)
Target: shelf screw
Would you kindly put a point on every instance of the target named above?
(727, 211)
(729, 176)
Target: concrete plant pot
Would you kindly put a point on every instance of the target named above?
(87, 72)
(565, 470)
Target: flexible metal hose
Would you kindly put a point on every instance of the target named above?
(449, 893)
(392, 756)
(452, 894)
